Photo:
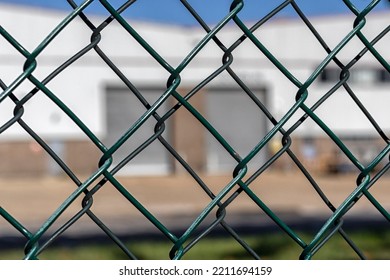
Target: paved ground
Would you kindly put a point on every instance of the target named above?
(177, 201)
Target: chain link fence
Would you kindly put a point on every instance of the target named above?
(178, 99)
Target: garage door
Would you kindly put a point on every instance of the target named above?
(241, 123)
(123, 109)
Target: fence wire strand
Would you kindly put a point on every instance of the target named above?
(240, 184)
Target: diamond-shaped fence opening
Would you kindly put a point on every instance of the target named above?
(239, 122)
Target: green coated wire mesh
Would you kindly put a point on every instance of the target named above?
(247, 169)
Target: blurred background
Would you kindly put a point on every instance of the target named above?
(105, 104)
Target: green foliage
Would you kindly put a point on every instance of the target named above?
(374, 244)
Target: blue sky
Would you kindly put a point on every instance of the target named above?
(172, 11)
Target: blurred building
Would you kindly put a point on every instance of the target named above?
(104, 103)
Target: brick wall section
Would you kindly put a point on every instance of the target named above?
(82, 156)
(24, 158)
(189, 136)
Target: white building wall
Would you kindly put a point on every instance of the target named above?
(82, 86)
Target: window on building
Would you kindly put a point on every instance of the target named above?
(360, 76)
(384, 76)
(330, 75)
(363, 76)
